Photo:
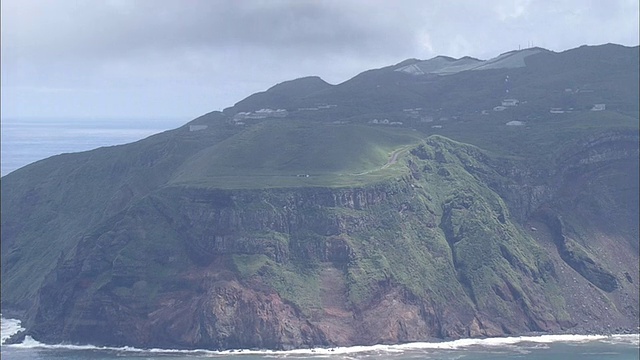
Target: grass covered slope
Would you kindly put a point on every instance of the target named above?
(281, 153)
(47, 206)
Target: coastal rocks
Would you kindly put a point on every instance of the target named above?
(228, 315)
(392, 319)
(484, 328)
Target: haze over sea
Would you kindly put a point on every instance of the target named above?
(28, 140)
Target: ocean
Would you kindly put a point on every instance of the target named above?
(27, 140)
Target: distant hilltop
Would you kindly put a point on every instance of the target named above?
(444, 65)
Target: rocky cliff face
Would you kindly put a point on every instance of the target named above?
(461, 245)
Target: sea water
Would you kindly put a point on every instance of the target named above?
(28, 140)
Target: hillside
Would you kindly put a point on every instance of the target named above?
(397, 206)
(280, 152)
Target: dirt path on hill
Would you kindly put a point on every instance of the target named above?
(393, 158)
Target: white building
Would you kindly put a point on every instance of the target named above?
(510, 102)
(197, 127)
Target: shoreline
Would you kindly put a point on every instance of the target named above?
(27, 342)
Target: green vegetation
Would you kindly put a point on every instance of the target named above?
(296, 283)
(542, 139)
(290, 153)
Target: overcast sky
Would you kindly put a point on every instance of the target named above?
(184, 58)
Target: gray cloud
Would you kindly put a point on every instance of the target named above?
(208, 54)
(116, 28)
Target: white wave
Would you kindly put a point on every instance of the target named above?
(12, 326)
(630, 339)
(501, 341)
(9, 328)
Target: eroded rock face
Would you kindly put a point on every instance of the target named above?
(229, 315)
